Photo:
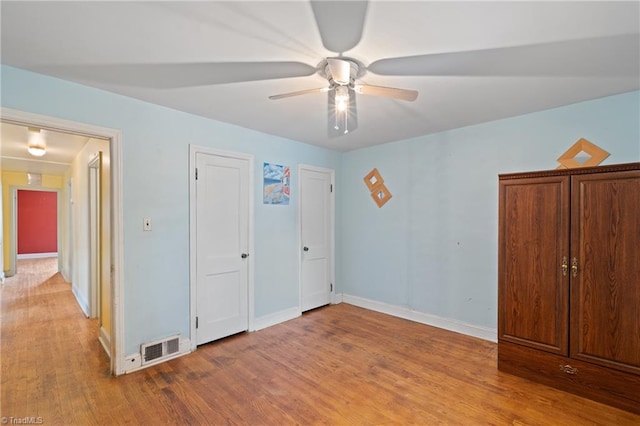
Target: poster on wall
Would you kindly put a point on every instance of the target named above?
(276, 188)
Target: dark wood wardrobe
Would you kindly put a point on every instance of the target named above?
(569, 280)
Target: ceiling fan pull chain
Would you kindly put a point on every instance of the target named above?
(346, 120)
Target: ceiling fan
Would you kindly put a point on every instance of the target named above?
(341, 74)
(341, 24)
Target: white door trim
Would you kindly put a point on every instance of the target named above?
(193, 150)
(117, 215)
(332, 229)
(95, 234)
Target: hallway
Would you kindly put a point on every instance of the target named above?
(47, 343)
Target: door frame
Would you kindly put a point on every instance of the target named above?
(70, 233)
(22, 118)
(193, 151)
(332, 229)
(95, 234)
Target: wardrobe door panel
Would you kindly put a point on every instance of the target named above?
(605, 291)
(533, 240)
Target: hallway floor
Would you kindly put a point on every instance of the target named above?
(47, 344)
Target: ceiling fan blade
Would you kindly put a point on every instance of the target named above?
(340, 70)
(300, 92)
(170, 76)
(341, 123)
(340, 23)
(593, 57)
(387, 92)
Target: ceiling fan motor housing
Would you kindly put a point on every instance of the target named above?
(340, 71)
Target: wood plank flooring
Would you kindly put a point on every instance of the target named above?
(335, 365)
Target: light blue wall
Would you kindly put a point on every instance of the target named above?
(156, 185)
(433, 246)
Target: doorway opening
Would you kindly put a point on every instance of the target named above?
(76, 223)
(36, 223)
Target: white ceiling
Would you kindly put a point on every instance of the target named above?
(61, 148)
(513, 58)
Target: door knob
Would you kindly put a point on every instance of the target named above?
(244, 255)
(306, 249)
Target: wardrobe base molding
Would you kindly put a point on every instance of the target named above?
(611, 387)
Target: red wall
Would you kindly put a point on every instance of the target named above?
(37, 222)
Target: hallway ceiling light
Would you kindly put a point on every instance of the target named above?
(36, 145)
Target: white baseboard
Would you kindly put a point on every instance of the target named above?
(133, 362)
(84, 304)
(36, 255)
(423, 318)
(105, 340)
(275, 318)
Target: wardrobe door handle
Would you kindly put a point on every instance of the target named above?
(574, 266)
(565, 266)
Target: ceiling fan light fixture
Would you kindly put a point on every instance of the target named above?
(342, 99)
(342, 113)
(341, 105)
(36, 145)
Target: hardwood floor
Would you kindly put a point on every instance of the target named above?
(335, 365)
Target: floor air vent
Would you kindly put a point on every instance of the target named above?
(159, 349)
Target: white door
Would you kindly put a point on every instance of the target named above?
(222, 243)
(316, 231)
